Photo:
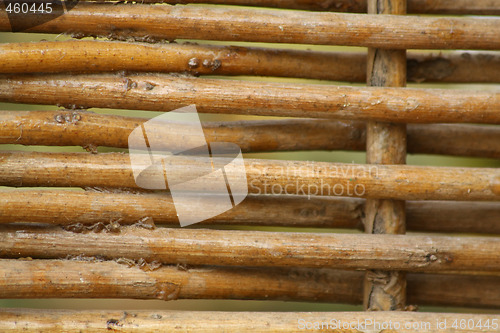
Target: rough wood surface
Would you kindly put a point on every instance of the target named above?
(31, 320)
(385, 144)
(457, 7)
(93, 130)
(402, 182)
(93, 210)
(104, 56)
(162, 92)
(258, 248)
(130, 279)
(264, 25)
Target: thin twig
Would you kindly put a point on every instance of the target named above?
(124, 278)
(93, 129)
(264, 25)
(385, 144)
(30, 320)
(402, 182)
(457, 7)
(163, 92)
(103, 210)
(257, 248)
(101, 56)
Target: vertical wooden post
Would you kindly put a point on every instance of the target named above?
(385, 144)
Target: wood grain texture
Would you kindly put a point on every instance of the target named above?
(93, 211)
(385, 144)
(253, 136)
(106, 56)
(123, 278)
(402, 182)
(163, 92)
(30, 320)
(269, 26)
(457, 7)
(258, 248)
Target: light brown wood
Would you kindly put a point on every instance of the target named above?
(163, 92)
(93, 130)
(269, 26)
(457, 7)
(385, 144)
(124, 278)
(94, 210)
(30, 320)
(20, 169)
(104, 56)
(100, 210)
(257, 248)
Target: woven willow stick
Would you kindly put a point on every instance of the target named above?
(257, 248)
(98, 210)
(129, 279)
(263, 176)
(109, 279)
(30, 320)
(92, 130)
(100, 56)
(261, 25)
(385, 144)
(163, 92)
(69, 208)
(457, 7)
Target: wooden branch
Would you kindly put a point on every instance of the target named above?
(164, 93)
(93, 130)
(257, 248)
(101, 56)
(130, 279)
(100, 210)
(70, 208)
(268, 26)
(30, 320)
(385, 144)
(263, 176)
(457, 7)
(125, 278)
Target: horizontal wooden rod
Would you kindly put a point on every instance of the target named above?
(125, 278)
(258, 248)
(88, 129)
(94, 211)
(30, 321)
(21, 169)
(141, 280)
(104, 56)
(268, 26)
(69, 208)
(162, 92)
(457, 7)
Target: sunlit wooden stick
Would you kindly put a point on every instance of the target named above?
(163, 92)
(131, 279)
(30, 320)
(101, 56)
(275, 177)
(457, 7)
(261, 25)
(257, 248)
(92, 130)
